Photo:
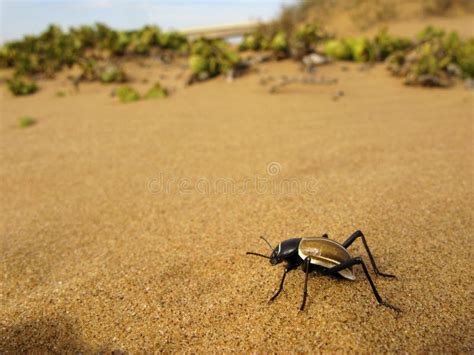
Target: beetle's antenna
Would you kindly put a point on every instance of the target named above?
(263, 256)
(266, 241)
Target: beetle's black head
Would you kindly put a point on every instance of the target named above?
(285, 251)
(275, 257)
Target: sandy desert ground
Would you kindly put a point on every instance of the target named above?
(98, 254)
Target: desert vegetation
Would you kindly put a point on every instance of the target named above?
(435, 57)
(26, 121)
(98, 50)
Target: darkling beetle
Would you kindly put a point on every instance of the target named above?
(325, 256)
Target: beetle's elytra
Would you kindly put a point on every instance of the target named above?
(326, 256)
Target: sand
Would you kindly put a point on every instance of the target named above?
(97, 255)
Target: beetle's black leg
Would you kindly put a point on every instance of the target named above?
(307, 261)
(356, 261)
(352, 238)
(281, 285)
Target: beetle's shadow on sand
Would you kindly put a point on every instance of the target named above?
(46, 334)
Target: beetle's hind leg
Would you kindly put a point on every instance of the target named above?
(306, 264)
(356, 261)
(359, 234)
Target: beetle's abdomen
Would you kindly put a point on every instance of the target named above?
(326, 253)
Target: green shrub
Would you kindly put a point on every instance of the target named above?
(432, 61)
(362, 49)
(465, 58)
(156, 92)
(26, 121)
(305, 39)
(283, 40)
(20, 86)
(429, 33)
(338, 49)
(7, 56)
(198, 63)
(250, 42)
(143, 40)
(91, 70)
(385, 44)
(265, 43)
(127, 94)
(211, 57)
(173, 41)
(435, 59)
(280, 42)
(113, 74)
(54, 49)
(309, 33)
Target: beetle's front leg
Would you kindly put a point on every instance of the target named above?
(288, 268)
